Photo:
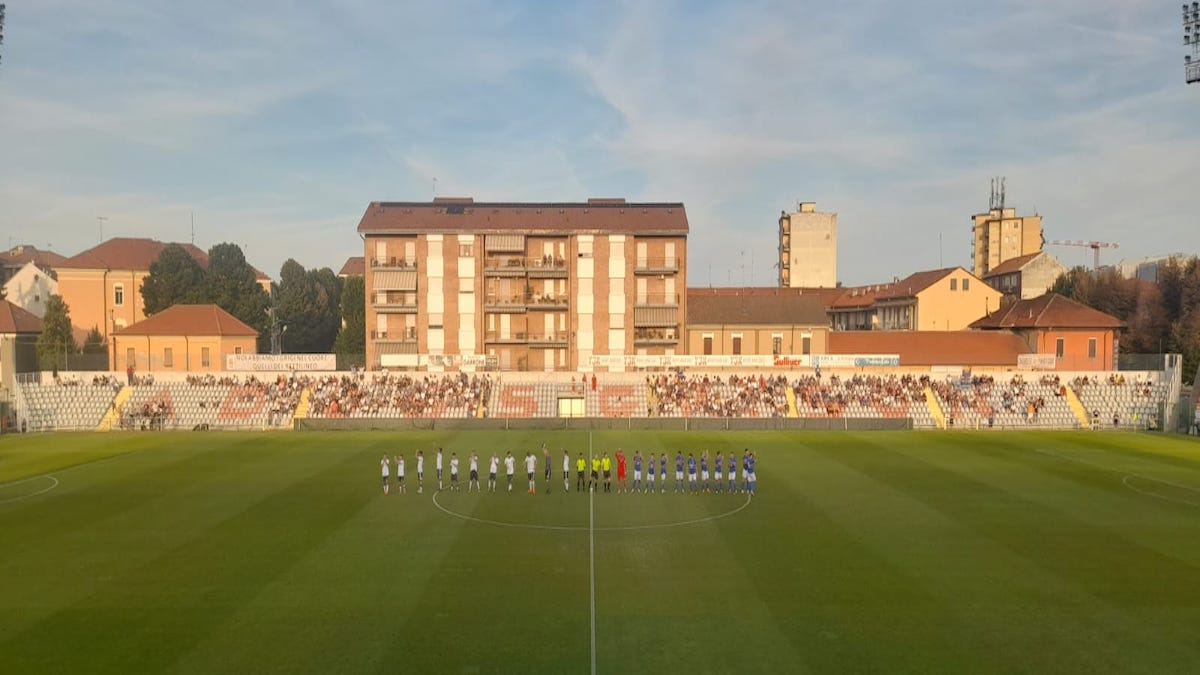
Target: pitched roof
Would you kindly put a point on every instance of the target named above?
(467, 215)
(859, 297)
(355, 266)
(127, 253)
(933, 348)
(1047, 311)
(769, 306)
(1013, 264)
(17, 256)
(190, 320)
(14, 319)
(912, 284)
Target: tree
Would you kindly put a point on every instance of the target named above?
(307, 306)
(56, 340)
(352, 338)
(94, 342)
(174, 278)
(230, 284)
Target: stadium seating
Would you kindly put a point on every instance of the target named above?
(68, 403)
(386, 395)
(1113, 402)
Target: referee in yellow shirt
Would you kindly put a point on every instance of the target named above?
(595, 473)
(606, 465)
(580, 466)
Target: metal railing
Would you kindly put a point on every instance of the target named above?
(656, 265)
(394, 262)
(402, 335)
(658, 299)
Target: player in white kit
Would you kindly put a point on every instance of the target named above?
(420, 471)
(400, 473)
(438, 466)
(454, 471)
(384, 463)
(510, 464)
(566, 471)
(474, 473)
(530, 468)
(492, 473)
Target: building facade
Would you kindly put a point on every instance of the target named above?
(1025, 277)
(1079, 337)
(947, 299)
(522, 286)
(30, 287)
(807, 248)
(755, 321)
(1000, 235)
(183, 338)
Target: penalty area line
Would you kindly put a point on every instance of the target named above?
(22, 498)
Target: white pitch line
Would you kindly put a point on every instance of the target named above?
(1127, 475)
(592, 556)
(31, 495)
(1126, 483)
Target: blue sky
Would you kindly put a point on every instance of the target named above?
(276, 122)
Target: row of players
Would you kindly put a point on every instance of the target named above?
(600, 464)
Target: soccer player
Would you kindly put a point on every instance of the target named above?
(637, 470)
(438, 466)
(580, 468)
(509, 468)
(595, 473)
(662, 471)
(732, 473)
(385, 464)
(454, 471)
(474, 473)
(566, 471)
(678, 471)
(420, 472)
(746, 470)
(650, 474)
(400, 473)
(717, 467)
(753, 477)
(530, 468)
(621, 470)
(691, 464)
(704, 469)
(606, 464)
(492, 472)
(546, 454)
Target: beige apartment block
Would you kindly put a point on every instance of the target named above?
(807, 248)
(460, 284)
(947, 299)
(756, 321)
(1025, 277)
(1000, 235)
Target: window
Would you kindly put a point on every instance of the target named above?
(435, 321)
(708, 339)
(130, 357)
(776, 344)
(168, 357)
(1059, 347)
(466, 250)
(954, 284)
(966, 284)
(119, 295)
(806, 345)
(205, 362)
(237, 350)
(1091, 348)
(737, 344)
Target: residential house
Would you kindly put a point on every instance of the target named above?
(1079, 337)
(183, 338)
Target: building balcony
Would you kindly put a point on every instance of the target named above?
(548, 341)
(501, 338)
(547, 267)
(656, 336)
(505, 305)
(657, 300)
(399, 335)
(396, 307)
(644, 266)
(393, 263)
(504, 266)
(552, 303)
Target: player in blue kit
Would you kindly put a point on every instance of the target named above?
(691, 464)
(751, 477)
(704, 470)
(732, 473)
(746, 470)
(679, 472)
(662, 465)
(717, 472)
(637, 470)
(650, 474)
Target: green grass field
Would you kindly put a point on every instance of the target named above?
(874, 552)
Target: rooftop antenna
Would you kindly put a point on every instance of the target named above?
(435, 187)
(101, 219)
(192, 216)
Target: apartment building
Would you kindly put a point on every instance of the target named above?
(1000, 235)
(463, 285)
(807, 248)
(946, 299)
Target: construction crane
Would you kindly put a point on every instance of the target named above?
(1094, 245)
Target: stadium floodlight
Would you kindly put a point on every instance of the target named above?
(1191, 38)
(1, 31)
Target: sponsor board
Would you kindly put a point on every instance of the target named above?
(280, 362)
(1037, 361)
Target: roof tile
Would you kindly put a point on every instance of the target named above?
(1050, 310)
(190, 320)
(464, 215)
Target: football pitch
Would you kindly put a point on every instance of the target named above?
(881, 552)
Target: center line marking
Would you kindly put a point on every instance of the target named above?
(592, 555)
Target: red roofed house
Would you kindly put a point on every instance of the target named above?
(772, 320)
(355, 266)
(936, 300)
(1025, 277)
(1080, 338)
(19, 331)
(102, 286)
(184, 338)
(16, 257)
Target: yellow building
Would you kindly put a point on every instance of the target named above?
(936, 300)
(1000, 235)
(757, 321)
(183, 338)
(807, 248)
(102, 286)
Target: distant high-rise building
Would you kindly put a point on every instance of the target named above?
(807, 248)
(1000, 235)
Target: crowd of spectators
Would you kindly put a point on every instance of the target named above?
(402, 395)
(678, 395)
(832, 395)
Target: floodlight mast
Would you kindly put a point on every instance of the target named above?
(1191, 39)
(1, 31)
